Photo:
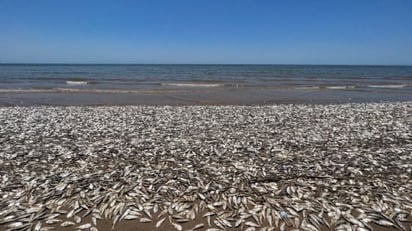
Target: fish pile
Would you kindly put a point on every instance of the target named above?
(274, 167)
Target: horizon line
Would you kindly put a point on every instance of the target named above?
(274, 64)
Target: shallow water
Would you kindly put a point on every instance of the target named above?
(214, 84)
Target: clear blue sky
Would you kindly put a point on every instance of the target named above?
(207, 31)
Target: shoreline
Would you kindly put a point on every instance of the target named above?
(197, 104)
(305, 166)
(205, 97)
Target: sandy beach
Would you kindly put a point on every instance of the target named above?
(280, 167)
(205, 115)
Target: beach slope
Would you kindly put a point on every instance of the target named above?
(302, 167)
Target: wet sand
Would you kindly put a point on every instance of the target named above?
(200, 96)
(325, 167)
(107, 225)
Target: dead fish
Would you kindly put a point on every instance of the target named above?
(198, 226)
(85, 226)
(252, 224)
(177, 226)
(38, 226)
(160, 222)
(67, 223)
(383, 222)
(77, 219)
(145, 220)
(15, 225)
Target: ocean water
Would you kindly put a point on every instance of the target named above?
(377, 81)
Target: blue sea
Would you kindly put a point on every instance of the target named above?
(214, 84)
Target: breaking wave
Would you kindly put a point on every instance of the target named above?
(193, 84)
(388, 86)
(77, 82)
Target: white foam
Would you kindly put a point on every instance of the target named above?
(77, 82)
(193, 84)
(24, 90)
(85, 90)
(306, 88)
(339, 87)
(388, 86)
